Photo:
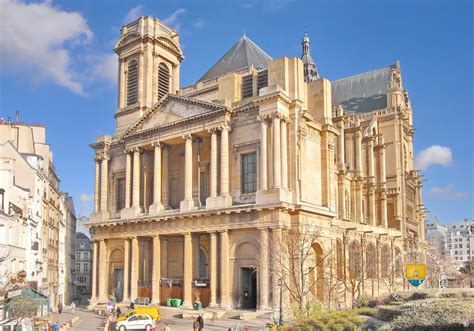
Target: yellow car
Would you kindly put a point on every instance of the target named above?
(152, 311)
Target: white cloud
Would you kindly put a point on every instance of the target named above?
(173, 19)
(104, 67)
(448, 193)
(133, 14)
(199, 23)
(85, 197)
(434, 155)
(36, 38)
(85, 204)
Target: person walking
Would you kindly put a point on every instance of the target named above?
(200, 322)
(73, 307)
(118, 312)
(60, 307)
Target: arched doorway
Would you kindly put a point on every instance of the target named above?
(116, 274)
(245, 275)
(317, 274)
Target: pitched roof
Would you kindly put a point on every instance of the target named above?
(243, 54)
(364, 92)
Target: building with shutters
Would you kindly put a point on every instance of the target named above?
(198, 185)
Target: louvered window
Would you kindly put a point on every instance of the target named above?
(262, 79)
(247, 86)
(132, 83)
(163, 80)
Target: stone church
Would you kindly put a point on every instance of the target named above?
(197, 182)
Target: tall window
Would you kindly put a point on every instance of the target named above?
(163, 80)
(85, 267)
(371, 261)
(385, 261)
(120, 193)
(249, 173)
(132, 83)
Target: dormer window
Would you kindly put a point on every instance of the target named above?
(132, 83)
(163, 80)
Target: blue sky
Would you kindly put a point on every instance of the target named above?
(57, 67)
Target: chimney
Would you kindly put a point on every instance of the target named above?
(17, 117)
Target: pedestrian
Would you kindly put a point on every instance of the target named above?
(118, 312)
(60, 307)
(110, 306)
(73, 307)
(200, 321)
(132, 305)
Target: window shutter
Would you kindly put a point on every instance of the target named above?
(163, 80)
(132, 83)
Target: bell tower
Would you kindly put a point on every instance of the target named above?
(149, 58)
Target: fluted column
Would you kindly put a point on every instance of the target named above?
(276, 151)
(157, 205)
(188, 271)
(164, 176)
(225, 161)
(96, 185)
(134, 270)
(188, 202)
(284, 154)
(358, 151)
(128, 174)
(213, 190)
(263, 154)
(383, 182)
(95, 257)
(102, 271)
(225, 270)
(213, 269)
(126, 270)
(136, 178)
(263, 269)
(156, 270)
(104, 183)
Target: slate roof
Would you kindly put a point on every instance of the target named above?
(362, 93)
(243, 54)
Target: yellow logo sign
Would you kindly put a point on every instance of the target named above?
(416, 273)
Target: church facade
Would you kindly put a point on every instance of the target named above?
(198, 185)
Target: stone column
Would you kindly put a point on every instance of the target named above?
(225, 270)
(95, 257)
(104, 183)
(263, 269)
(136, 179)
(164, 254)
(213, 269)
(358, 151)
(102, 271)
(213, 190)
(188, 271)
(263, 154)
(276, 238)
(276, 151)
(134, 269)
(284, 155)
(341, 147)
(126, 270)
(157, 206)
(164, 176)
(383, 182)
(96, 185)
(128, 170)
(196, 248)
(371, 172)
(156, 270)
(225, 161)
(188, 202)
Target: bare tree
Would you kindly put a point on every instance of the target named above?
(299, 262)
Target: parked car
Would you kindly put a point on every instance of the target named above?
(137, 322)
(153, 311)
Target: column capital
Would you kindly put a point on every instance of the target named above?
(213, 130)
(156, 143)
(132, 149)
(224, 127)
(187, 136)
(263, 117)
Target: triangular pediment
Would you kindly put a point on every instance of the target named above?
(171, 110)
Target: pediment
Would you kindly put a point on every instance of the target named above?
(171, 110)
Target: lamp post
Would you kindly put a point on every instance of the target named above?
(280, 283)
(470, 228)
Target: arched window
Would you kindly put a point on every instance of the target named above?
(163, 80)
(339, 260)
(355, 261)
(384, 260)
(371, 259)
(132, 82)
(202, 264)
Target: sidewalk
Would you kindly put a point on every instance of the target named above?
(88, 321)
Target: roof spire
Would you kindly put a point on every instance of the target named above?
(310, 69)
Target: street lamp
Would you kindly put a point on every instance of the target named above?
(280, 283)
